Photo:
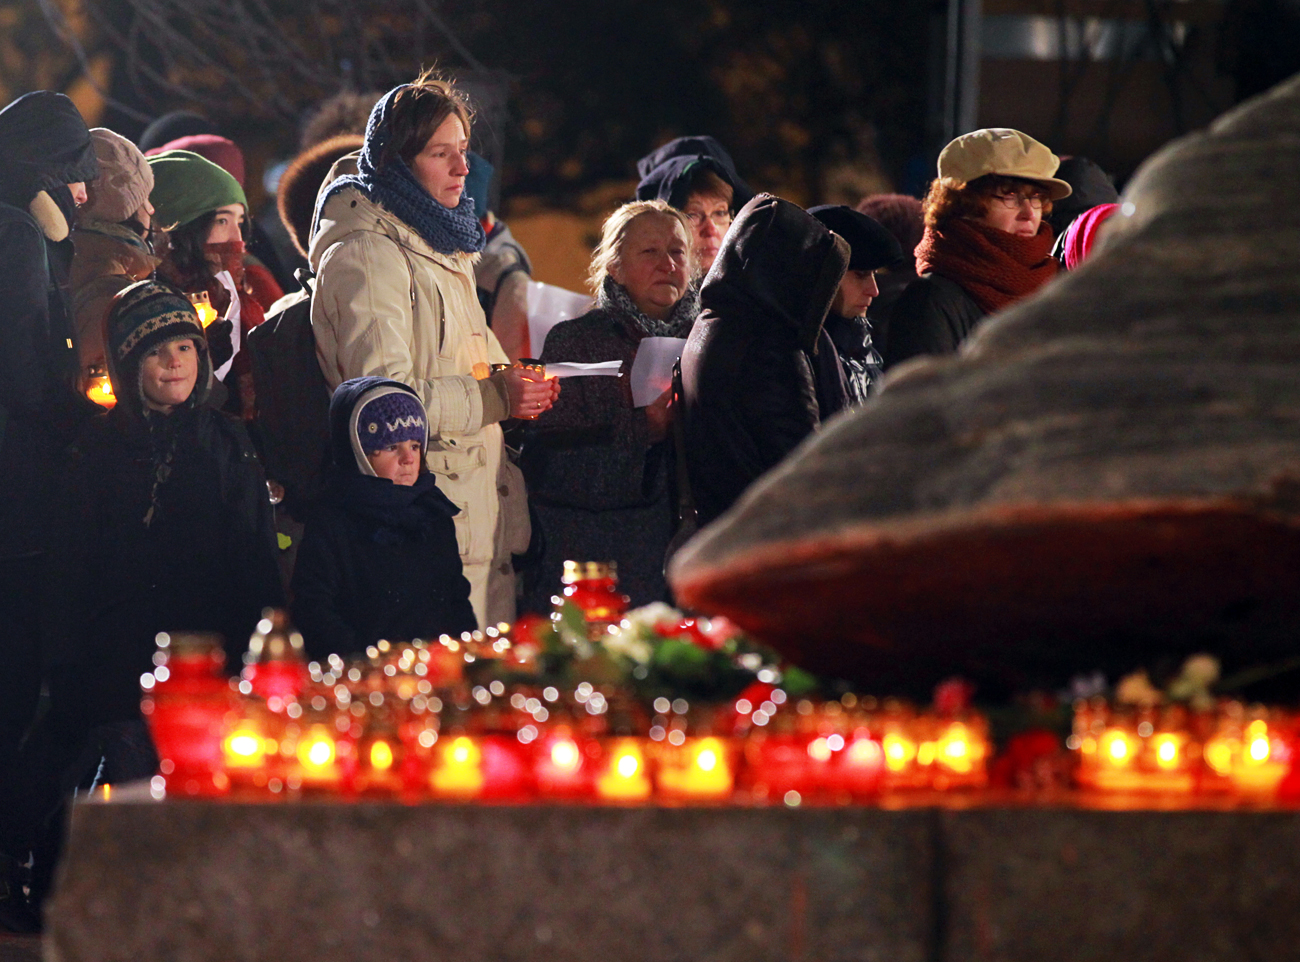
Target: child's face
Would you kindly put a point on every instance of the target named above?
(399, 463)
(168, 374)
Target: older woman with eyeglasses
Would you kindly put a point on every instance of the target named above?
(986, 243)
(698, 177)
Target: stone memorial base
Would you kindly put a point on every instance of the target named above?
(911, 880)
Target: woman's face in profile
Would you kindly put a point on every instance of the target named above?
(442, 164)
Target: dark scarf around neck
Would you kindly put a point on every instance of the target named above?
(993, 266)
(448, 230)
(392, 512)
(613, 296)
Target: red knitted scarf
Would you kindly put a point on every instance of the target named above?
(994, 267)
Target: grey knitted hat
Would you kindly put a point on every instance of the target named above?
(125, 178)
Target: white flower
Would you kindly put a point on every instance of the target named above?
(648, 617)
(627, 644)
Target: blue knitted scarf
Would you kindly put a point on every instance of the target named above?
(448, 230)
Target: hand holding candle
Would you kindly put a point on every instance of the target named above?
(529, 390)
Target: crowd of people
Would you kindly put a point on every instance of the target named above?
(452, 477)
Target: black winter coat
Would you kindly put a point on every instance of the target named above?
(750, 394)
(377, 560)
(356, 581)
(40, 409)
(204, 562)
(933, 316)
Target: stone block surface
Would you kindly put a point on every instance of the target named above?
(202, 882)
(1197, 886)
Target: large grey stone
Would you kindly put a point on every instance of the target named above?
(1109, 470)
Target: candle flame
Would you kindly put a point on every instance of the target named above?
(819, 750)
(627, 765)
(1166, 751)
(565, 755)
(244, 744)
(899, 752)
(381, 756)
(863, 751)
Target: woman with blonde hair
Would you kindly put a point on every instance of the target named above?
(393, 249)
(599, 467)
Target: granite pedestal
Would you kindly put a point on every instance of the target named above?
(908, 881)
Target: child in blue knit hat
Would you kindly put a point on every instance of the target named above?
(379, 557)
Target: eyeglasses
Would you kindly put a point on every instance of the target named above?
(721, 218)
(1012, 200)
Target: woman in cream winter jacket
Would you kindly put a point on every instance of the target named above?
(394, 250)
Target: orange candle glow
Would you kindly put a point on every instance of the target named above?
(1258, 766)
(245, 748)
(317, 755)
(699, 768)
(458, 769)
(100, 389)
(626, 775)
(203, 307)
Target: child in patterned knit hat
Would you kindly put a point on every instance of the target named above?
(165, 526)
(379, 557)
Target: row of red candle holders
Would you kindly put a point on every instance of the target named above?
(391, 733)
(1174, 750)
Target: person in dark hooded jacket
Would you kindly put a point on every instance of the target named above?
(750, 392)
(166, 526)
(46, 156)
(379, 557)
(848, 364)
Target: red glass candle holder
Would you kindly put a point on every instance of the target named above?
(274, 665)
(593, 587)
(566, 763)
(185, 704)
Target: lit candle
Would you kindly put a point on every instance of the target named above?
(100, 389)
(1260, 766)
(379, 770)
(625, 777)
(458, 769)
(318, 759)
(698, 769)
(861, 765)
(959, 756)
(562, 766)
(203, 307)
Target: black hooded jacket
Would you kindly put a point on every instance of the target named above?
(203, 561)
(377, 559)
(666, 173)
(44, 145)
(750, 393)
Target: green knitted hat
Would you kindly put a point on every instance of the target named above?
(186, 186)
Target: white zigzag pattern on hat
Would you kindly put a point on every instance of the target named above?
(410, 421)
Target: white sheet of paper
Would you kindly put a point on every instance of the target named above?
(574, 369)
(232, 315)
(652, 370)
(547, 306)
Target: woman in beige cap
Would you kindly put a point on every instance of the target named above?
(986, 243)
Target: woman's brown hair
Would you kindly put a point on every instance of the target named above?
(419, 110)
(949, 198)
